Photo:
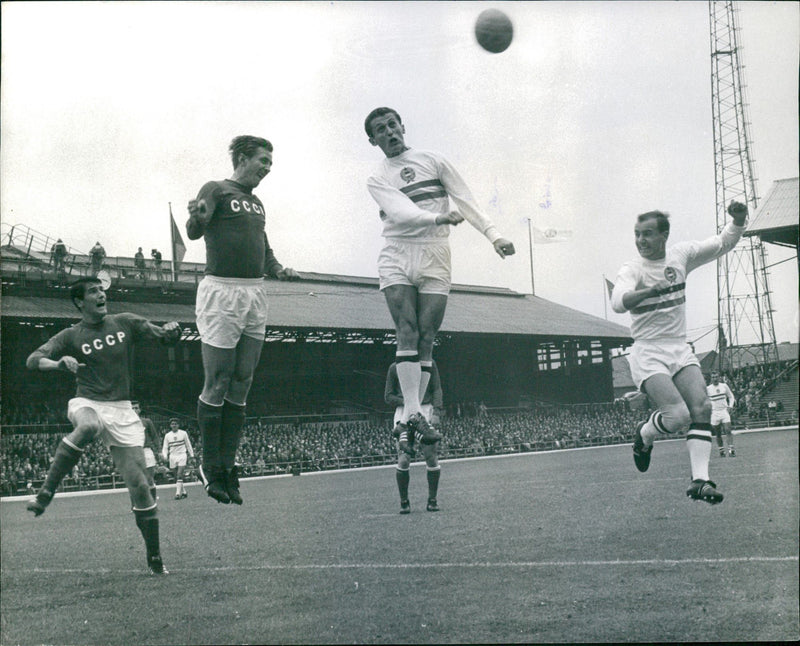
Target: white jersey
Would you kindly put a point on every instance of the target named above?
(177, 446)
(412, 188)
(721, 396)
(664, 316)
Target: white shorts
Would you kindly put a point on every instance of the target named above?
(227, 308)
(179, 461)
(121, 424)
(648, 358)
(720, 417)
(424, 265)
(149, 457)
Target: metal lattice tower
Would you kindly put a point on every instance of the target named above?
(746, 332)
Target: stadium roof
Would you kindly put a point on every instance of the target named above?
(323, 301)
(776, 220)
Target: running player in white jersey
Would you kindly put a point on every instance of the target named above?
(176, 451)
(98, 351)
(722, 401)
(663, 366)
(413, 189)
(432, 404)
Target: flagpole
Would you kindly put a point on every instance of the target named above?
(171, 241)
(530, 247)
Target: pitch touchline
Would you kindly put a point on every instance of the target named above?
(418, 566)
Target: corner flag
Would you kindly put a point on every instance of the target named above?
(178, 246)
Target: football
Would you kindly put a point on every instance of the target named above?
(494, 30)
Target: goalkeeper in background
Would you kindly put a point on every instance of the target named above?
(98, 351)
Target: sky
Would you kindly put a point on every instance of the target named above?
(598, 111)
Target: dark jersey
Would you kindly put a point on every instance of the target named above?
(151, 437)
(236, 242)
(106, 351)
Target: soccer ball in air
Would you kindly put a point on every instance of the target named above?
(494, 30)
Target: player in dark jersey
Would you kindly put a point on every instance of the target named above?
(432, 405)
(152, 442)
(98, 350)
(231, 306)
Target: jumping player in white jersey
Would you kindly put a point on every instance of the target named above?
(413, 189)
(432, 404)
(663, 366)
(176, 451)
(722, 401)
(98, 351)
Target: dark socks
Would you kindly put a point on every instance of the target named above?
(433, 482)
(209, 419)
(147, 522)
(231, 425)
(403, 478)
(65, 459)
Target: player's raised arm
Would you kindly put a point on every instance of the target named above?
(201, 209)
(459, 192)
(397, 206)
(169, 333)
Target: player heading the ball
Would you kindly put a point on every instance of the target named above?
(413, 189)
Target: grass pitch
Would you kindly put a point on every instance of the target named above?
(572, 546)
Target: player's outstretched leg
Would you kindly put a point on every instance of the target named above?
(67, 455)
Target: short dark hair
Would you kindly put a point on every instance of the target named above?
(379, 112)
(661, 218)
(77, 290)
(247, 145)
(174, 419)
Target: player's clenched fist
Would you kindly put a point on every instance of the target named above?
(198, 210)
(738, 212)
(504, 247)
(172, 332)
(70, 364)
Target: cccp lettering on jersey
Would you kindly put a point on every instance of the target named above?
(100, 343)
(250, 207)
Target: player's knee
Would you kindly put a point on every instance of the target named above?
(403, 461)
(216, 385)
(84, 434)
(701, 411)
(676, 418)
(431, 453)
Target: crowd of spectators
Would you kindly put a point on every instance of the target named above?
(749, 385)
(32, 432)
(282, 448)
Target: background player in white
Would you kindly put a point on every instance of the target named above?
(432, 405)
(653, 289)
(722, 400)
(413, 189)
(176, 451)
(98, 350)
